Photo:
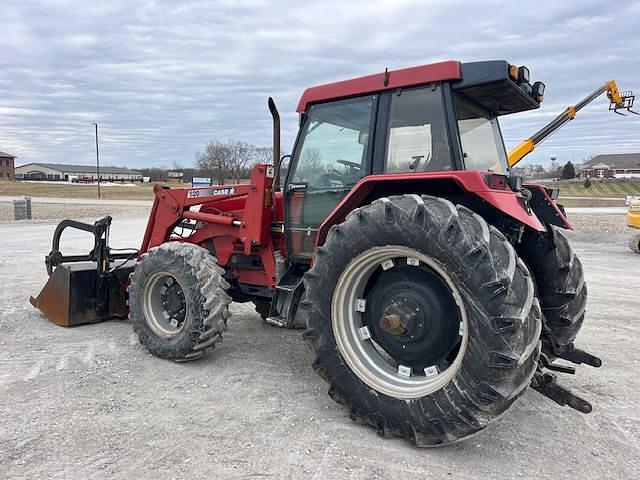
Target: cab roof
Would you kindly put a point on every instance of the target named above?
(404, 77)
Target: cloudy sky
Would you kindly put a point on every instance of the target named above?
(162, 78)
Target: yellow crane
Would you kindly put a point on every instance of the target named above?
(618, 101)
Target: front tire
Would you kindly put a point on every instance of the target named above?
(560, 286)
(178, 301)
(408, 254)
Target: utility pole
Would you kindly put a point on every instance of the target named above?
(97, 158)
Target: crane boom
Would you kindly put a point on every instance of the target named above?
(618, 101)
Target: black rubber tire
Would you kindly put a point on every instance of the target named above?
(504, 318)
(634, 243)
(263, 308)
(205, 290)
(560, 286)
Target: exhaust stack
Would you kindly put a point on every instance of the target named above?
(276, 143)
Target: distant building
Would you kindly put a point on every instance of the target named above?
(620, 165)
(175, 177)
(7, 166)
(61, 172)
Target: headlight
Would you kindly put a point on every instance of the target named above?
(538, 91)
(523, 74)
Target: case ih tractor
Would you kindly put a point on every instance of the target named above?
(434, 288)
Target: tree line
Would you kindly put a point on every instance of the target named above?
(221, 161)
(555, 170)
(231, 159)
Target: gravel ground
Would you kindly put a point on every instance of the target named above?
(90, 402)
(600, 222)
(52, 211)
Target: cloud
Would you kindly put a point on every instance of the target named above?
(163, 77)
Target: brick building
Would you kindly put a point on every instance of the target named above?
(7, 166)
(621, 165)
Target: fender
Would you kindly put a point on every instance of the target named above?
(463, 183)
(546, 208)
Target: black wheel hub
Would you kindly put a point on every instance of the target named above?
(413, 316)
(173, 302)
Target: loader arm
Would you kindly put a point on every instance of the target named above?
(618, 101)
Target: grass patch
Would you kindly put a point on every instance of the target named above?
(143, 191)
(599, 188)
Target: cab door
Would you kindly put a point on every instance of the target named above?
(333, 152)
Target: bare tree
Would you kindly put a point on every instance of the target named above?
(231, 159)
(240, 156)
(311, 166)
(216, 160)
(263, 155)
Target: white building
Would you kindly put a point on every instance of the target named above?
(56, 171)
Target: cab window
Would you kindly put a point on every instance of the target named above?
(331, 156)
(480, 137)
(334, 144)
(417, 137)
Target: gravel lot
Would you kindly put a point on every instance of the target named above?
(600, 222)
(89, 402)
(56, 211)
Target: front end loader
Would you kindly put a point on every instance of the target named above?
(85, 288)
(433, 287)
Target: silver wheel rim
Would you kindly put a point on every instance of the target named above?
(155, 313)
(360, 353)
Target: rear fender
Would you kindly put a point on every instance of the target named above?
(457, 185)
(545, 208)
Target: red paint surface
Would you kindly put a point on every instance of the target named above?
(405, 77)
(251, 205)
(473, 182)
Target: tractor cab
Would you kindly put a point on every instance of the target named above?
(436, 118)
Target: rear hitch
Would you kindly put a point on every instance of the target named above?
(547, 385)
(577, 356)
(546, 363)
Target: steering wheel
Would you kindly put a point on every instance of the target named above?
(351, 165)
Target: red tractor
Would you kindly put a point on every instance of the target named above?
(434, 288)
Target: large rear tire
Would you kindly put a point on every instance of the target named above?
(178, 301)
(560, 286)
(410, 254)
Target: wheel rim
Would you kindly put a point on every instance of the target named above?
(374, 352)
(164, 307)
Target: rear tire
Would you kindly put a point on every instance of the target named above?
(560, 286)
(178, 301)
(498, 349)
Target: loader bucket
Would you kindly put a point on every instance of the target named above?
(85, 288)
(69, 296)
